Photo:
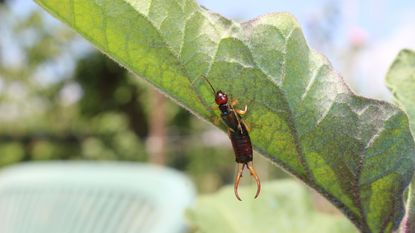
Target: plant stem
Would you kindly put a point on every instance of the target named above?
(157, 136)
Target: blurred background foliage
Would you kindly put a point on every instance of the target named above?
(60, 99)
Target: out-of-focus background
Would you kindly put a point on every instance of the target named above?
(61, 99)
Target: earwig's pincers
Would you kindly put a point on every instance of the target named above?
(241, 167)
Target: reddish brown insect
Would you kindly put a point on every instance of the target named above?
(238, 133)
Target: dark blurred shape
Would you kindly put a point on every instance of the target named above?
(106, 88)
(181, 121)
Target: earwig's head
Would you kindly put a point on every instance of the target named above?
(221, 98)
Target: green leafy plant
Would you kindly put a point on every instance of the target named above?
(357, 152)
(401, 81)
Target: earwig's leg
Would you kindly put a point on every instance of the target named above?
(251, 125)
(239, 121)
(216, 120)
(230, 130)
(240, 126)
(234, 102)
(238, 112)
(247, 126)
(242, 112)
(215, 108)
(241, 167)
(253, 173)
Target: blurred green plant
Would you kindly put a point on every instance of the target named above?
(45, 118)
(284, 206)
(38, 123)
(106, 87)
(357, 152)
(401, 81)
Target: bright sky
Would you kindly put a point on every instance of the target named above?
(384, 26)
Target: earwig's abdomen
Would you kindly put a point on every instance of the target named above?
(242, 146)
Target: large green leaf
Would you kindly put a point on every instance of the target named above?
(401, 81)
(285, 206)
(357, 152)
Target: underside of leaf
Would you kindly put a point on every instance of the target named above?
(401, 81)
(357, 152)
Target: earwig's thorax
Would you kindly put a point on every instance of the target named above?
(225, 109)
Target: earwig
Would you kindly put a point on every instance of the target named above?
(238, 133)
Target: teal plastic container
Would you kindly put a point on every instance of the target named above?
(93, 197)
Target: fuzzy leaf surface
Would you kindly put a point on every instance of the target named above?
(357, 152)
(401, 81)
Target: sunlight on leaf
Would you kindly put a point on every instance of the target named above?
(401, 82)
(357, 152)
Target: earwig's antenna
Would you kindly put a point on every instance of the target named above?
(204, 77)
(213, 89)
